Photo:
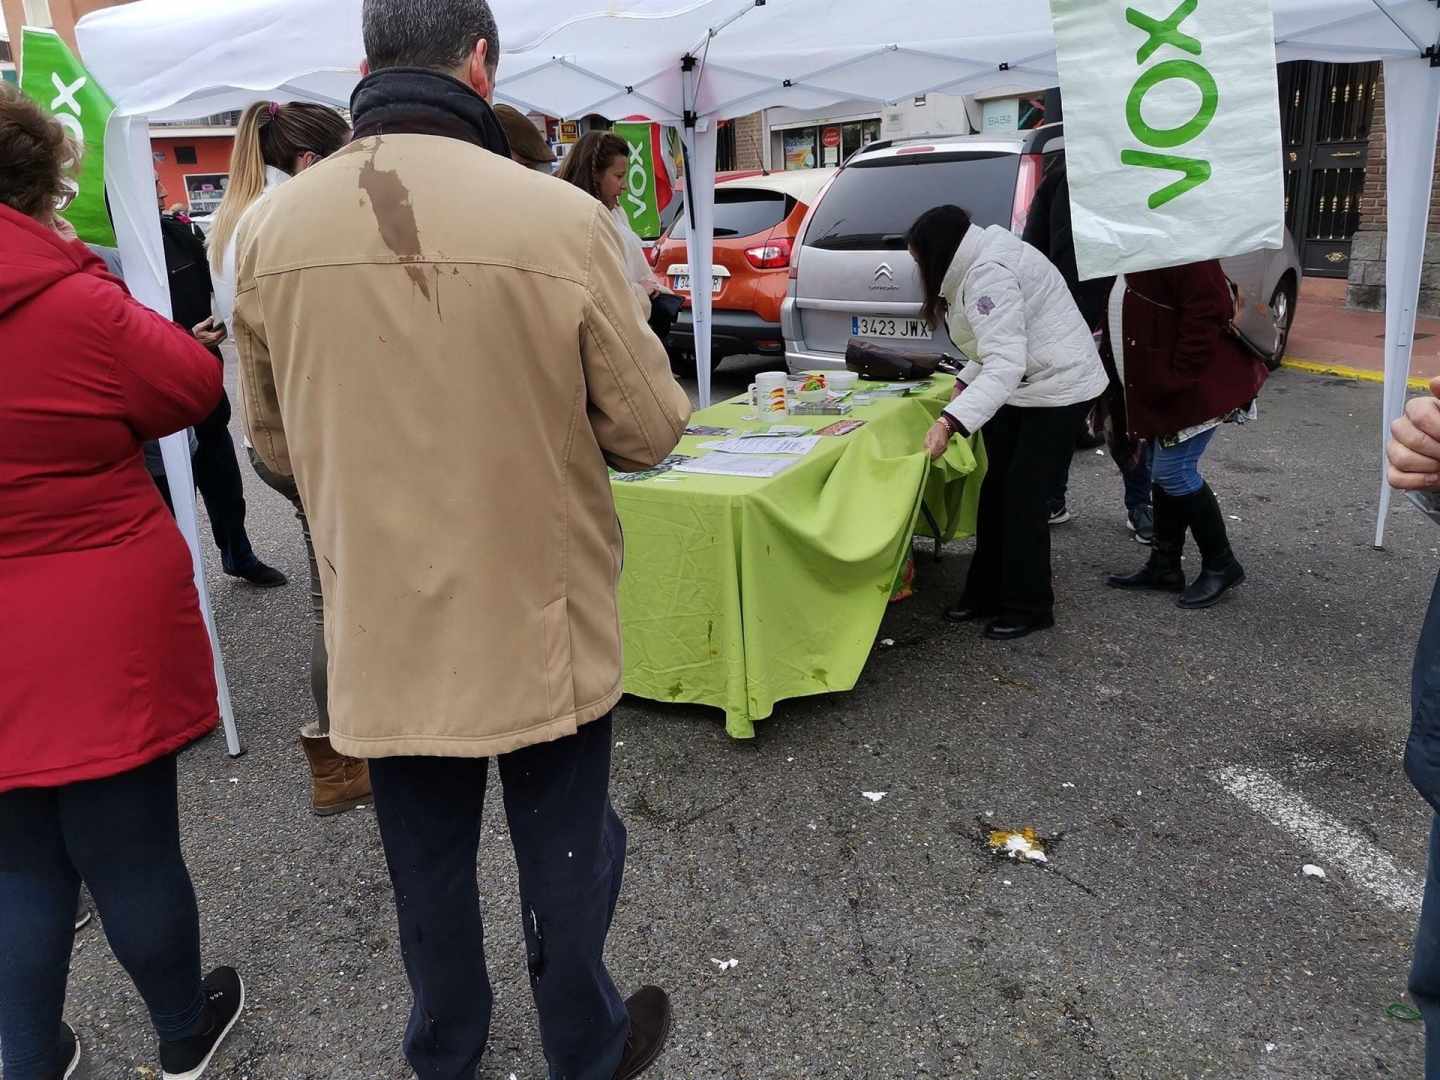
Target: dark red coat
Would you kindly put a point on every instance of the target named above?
(1182, 366)
(104, 660)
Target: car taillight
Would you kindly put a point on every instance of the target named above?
(773, 256)
(1032, 171)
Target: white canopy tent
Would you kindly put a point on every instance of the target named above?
(692, 63)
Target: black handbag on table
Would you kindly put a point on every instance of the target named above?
(884, 363)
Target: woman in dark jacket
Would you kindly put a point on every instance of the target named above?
(105, 666)
(1182, 373)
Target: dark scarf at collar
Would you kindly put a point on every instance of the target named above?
(414, 101)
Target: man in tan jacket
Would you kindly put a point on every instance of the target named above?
(442, 349)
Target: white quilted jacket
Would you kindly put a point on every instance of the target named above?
(1012, 315)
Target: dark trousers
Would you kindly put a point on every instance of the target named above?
(217, 475)
(1422, 766)
(319, 671)
(121, 836)
(1425, 966)
(570, 847)
(1028, 449)
(1136, 477)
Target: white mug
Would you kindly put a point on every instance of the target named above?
(767, 392)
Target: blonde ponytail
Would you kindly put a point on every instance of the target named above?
(247, 180)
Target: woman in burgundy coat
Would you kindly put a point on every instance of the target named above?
(105, 667)
(1183, 374)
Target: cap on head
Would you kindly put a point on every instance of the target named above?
(526, 142)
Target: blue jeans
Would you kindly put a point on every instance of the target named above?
(1177, 468)
(570, 849)
(121, 835)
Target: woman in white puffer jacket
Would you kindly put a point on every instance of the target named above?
(1033, 374)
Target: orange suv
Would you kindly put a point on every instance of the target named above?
(757, 219)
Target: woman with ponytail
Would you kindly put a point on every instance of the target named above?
(273, 143)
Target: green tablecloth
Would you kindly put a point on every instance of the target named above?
(740, 592)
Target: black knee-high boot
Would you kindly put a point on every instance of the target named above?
(1220, 571)
(1162, 571)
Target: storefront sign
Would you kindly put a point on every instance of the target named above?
(569, 132)
(1172, 130)
(55, 79)
(648, 186)
(830, 137)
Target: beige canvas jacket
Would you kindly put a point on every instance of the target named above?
(443, 348)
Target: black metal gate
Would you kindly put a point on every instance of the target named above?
(1325, 113)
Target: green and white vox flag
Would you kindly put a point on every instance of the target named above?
(647, 183)
(51, 75)
(1172, 130)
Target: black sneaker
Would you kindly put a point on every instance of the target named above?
(187, 1059)
(69, 1052)
(83, 914)
(1060, 516)
(1142, 524)
(649, 1009)
(261, 576)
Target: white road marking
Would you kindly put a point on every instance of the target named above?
(1342, 847)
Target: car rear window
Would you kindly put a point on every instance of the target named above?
(741, 212)
(872, 204)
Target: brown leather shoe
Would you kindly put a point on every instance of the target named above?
(337, 783)
(649, 1009)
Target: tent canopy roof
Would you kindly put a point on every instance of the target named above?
(166, 60)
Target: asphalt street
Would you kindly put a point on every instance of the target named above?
(1183, 768)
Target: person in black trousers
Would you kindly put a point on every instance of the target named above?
(1049, 230)
(1034, 373)
(217, 471)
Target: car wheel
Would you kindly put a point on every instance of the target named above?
(1282, 313)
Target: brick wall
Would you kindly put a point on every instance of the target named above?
(1367, 252)
(749, 140)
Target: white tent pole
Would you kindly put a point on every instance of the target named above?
(130, 183)
(699, 135)
(1412, 115)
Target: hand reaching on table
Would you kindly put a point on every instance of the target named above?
(1414, 448)
(937, 440)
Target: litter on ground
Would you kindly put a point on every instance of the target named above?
(1311, 870)
(1022, 846)
(725, 965)
(874, 796)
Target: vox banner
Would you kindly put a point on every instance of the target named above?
(648, 185)
(1172, 130)
(58, 82)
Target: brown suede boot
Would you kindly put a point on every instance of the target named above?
(338, 783)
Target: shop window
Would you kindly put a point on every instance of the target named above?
(185, 155)
(801, 149)
(204, 192)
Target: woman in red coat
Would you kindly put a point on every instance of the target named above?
(1183, 374)
(105, 667)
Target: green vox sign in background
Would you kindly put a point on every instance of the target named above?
(1172, 130)
(647, 183)
(53, 76)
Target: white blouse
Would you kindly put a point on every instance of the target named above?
(637, 267)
